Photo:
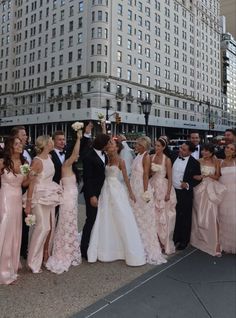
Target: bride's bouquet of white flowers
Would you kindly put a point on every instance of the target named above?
(155, 167)
(77, 126)
(146, 196)
(205, 171)
(30, 220)
(101, 117)
(25, 169)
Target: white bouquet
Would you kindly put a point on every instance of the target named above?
(101, 118)
(146, 196)
(30, 220)
(205, 170)
(25, 169)
(155, 167)
(77, 126)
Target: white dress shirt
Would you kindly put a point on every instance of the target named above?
(27, 157)
(100, 155)
(196, 153)
(178, 170)
(61, 157)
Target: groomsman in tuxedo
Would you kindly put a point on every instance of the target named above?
(195, 140)
(184, 168)
(94, 163)
(58, 153)
(229, 138)
(20, 132)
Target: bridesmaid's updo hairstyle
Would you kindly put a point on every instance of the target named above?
(145, 142)
(210, 148)
(41, 143)
(162, 141)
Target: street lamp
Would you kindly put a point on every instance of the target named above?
(146, 105)
(209, 117)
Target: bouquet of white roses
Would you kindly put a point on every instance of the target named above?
(101, 118)
(30, 220)
(155, 167)
(25, 169)
(77, 126)
(146, 196)
(205, 171)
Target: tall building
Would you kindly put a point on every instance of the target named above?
(228, 9)
(61, 61)
(228, 52)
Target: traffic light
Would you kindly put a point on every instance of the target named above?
(212, 125)
(118, 119)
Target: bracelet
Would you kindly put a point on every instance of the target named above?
(29, 199)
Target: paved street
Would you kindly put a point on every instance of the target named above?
(192, 285)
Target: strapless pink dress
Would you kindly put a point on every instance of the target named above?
(10, 226)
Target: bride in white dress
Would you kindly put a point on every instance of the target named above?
(115, 234)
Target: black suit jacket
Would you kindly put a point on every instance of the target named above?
(93, 173)
(85, 145)
(192, 169)
(221, 154)
(57, 165)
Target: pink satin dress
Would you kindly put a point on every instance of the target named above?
(66, 242)
(10, 226)
(165, 213)
(46, 195)
(145, 214)
(207, 197)
(227, 210)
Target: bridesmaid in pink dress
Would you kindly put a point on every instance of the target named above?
(164, 196)
(10, 209)
(227, 208)
(207, 197)
(42, 196)
(143, 208)
(66, 243)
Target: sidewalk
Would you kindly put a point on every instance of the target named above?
(59, 296)
(192, 285)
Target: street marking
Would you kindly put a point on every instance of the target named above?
(138, 285)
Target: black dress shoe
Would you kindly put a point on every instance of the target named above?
(84, 256)
(181, 247)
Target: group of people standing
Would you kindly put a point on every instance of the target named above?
(158, 204)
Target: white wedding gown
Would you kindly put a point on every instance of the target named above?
(115, 234)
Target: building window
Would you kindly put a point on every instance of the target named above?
(78, 104)
(119, 106)
(128, 108)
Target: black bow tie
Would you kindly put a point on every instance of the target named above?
(103, 153)
(181, 158)
(196, 149)
(61, 153)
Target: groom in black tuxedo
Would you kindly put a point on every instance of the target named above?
(94, 163)
(185, 167)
